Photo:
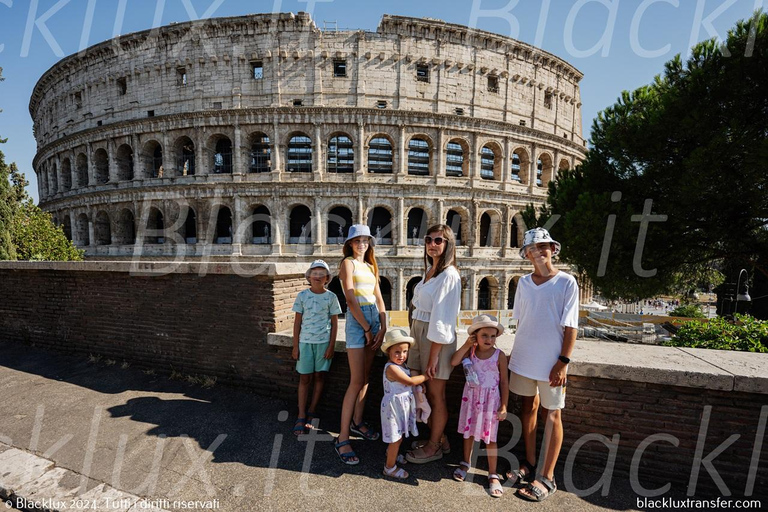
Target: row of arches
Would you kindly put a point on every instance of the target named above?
(257, 226)
(340, 158)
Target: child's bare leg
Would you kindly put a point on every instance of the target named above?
(553, 444)
(317, 392)
(490, 449)
(468, 444)
(304, 380)
(357, 416)
(392, 451)
(530, 407)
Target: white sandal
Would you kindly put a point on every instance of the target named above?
(494, 486)
(460, 474)
(395, 472)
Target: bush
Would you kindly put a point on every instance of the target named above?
(687, 311)
(745, 333)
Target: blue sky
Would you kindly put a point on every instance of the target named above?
(617, 44)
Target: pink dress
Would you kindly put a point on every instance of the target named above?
(480, 404)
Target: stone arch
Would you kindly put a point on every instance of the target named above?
(259, 225)
(155, 226)
(66, 174)
(81, 163)
(457, 157)
(66, 225)
(491, 161)
(487, 293)
(564, 165)
(298, 153)
(409, 287)
(340, 156)
(490, 221)
(300, 225)
(520, 163)
(184, 156)
(417, 225)
(124, 160)
(54, 180)
(42, 174)
(381, 224)
(188, 227)
(457, 220)
(81, 228)
(101, 165)
(152, 158)
(221, 157)
(516, 231)
(419, 155)
(102, 231)
(511, 290)
(125, 228)
(260, 152)
(224, 228)
(543, 169)
(385, 287)
(381, 154)
(337, 226)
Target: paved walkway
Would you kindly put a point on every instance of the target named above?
(143, 438)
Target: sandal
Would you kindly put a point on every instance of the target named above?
(533, 493)
(494, 486)
(346, 458)
(516, 475)
(369, 434)
(420, 443)
(300, 427)
(460, 474)
(311, 417)
(395, 472)
(419, 456)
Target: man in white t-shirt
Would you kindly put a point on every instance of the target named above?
(547, 313)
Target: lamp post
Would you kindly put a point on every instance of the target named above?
(741, 296)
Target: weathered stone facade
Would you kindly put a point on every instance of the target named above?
(262, 138)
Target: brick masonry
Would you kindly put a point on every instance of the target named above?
(216, 324)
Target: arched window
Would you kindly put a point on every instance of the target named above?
(511, 289)
(54, 180)
(417, 226)
(66, 174)
(484, 294)
(262, 225)
(519, 172)
(223, 234)
(261, 154)
(453, 220)
(380, 222)
(44, 186)
(124, 158)
(82, 170)
(412, 282)
(67, 227)
(300, 225)
(339, 220)
(126, 228)
(485, 230)
(298, 155)
(385, 287)
(418, 157)
(222, 156)
(341, 155)
(153, 159)
(515, 170)
(155, 227)
(102, 231)
(514, 229)
(185, 157)
(83, 237)
(101, 161)
(487, 163)
(454, 159)
(380, 155)
(563, 166)
(189, 227)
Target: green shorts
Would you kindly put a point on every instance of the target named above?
(311, 358)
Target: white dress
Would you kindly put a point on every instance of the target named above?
(398, 409)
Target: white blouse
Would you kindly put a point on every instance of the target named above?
(438, 302)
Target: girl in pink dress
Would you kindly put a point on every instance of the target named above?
(486, 392)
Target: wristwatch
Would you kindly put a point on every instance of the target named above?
(564, 360)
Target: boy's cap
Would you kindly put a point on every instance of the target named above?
(357, 230)
(481, 321)
(393, 337)
(538, 236)
(318, 264)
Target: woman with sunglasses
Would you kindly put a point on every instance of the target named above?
(365, 328)
(436, 302)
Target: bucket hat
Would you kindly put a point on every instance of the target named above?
(357, 230)
(393, 337)
(319, 264)
(538, 236)
(481, 321)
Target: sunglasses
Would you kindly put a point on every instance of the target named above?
(438, 240)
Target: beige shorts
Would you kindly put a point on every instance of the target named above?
(551, 397)
(418, 355)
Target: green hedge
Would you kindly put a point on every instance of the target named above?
(688, 311)
(746, 334)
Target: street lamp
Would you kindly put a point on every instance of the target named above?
(741, 296)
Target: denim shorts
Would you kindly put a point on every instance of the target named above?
(355, 332)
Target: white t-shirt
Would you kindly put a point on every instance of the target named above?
(438, 301)
(542, 313)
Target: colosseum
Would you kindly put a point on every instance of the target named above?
(262, 138)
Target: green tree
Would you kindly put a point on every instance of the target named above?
(692, 146)
(7, 249)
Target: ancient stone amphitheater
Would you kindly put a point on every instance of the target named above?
(262, 138)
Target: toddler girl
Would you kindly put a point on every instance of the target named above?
(484, 401)
(398, 406)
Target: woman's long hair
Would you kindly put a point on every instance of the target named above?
(448, 257)
(369, 256)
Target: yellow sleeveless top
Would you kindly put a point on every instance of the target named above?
(365, 282)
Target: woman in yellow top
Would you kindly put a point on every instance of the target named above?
(365, 329)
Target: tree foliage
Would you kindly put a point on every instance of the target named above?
(693, 146)
(745, 333)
